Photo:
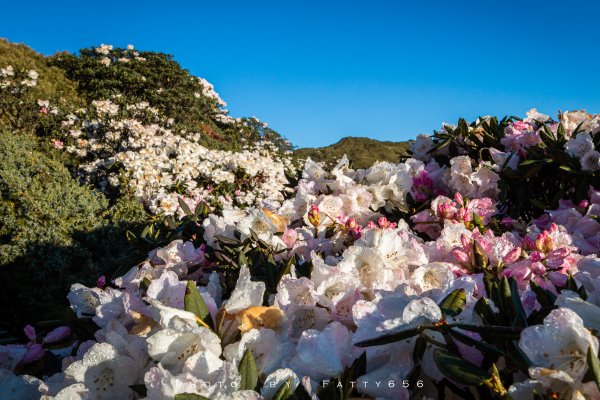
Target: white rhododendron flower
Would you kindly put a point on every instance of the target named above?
(105, 373)
(561, 343)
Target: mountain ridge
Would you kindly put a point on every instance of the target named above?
(361, 151)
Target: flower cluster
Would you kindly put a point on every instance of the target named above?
(417, 279)
(135, 145)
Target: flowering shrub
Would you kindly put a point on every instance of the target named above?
(428, 278)
(128, 76)
(119, 146)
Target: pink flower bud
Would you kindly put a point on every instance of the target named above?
(458, 198)
(314, 216)
(383, 222)
(356, 233)
(584, 204)
(371, 225)
(508, 222)
(35, 351)
(30, 332)
(57, 334)
(101, 282)
(445, 211)
(528, 243)
(536, 256)
(351, 223)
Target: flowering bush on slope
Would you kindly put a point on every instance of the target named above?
(421, 279)
(134, 146)
(131, 76)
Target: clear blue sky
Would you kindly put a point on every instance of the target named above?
(317, 71)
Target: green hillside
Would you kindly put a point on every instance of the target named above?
(361, 151)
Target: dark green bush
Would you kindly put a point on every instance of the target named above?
(53, 231)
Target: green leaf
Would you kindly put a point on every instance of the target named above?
(478, 344)
(517, 357)
(184, 207)
(545, 297)
(594, 364)
(571, 284)
(454, 303)
(419, 350)
(520, 315)
(194, 303)
(458, 369)
(568, 169)
(481, 259)
(505, 332)
(189, 396)
(393, 337)
(225, 240)
(483, 308)
(529, 162)
(285, 391)
(248, 371)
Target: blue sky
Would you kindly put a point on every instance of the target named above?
(317, 71)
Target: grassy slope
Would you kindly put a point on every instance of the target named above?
(52, 83)
(362, 152)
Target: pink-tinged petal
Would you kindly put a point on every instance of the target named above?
(558, 279)
(57, 334)
(512, 256)
(538, 268)
(461, 256)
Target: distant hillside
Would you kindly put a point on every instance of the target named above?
(361, 151)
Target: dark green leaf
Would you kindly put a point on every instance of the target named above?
(248, 371)
(458, 369)
(507, 332)
(393, 337)
(478, 344)
(594, 364)
(184, 207)
(545, 297)
(193, 302)
(228, 241)
(189, 396)
(285, 391)
(454, 303)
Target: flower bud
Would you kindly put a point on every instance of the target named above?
(458, 198)
(508, 222)
(30, 332)
(314, 216)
